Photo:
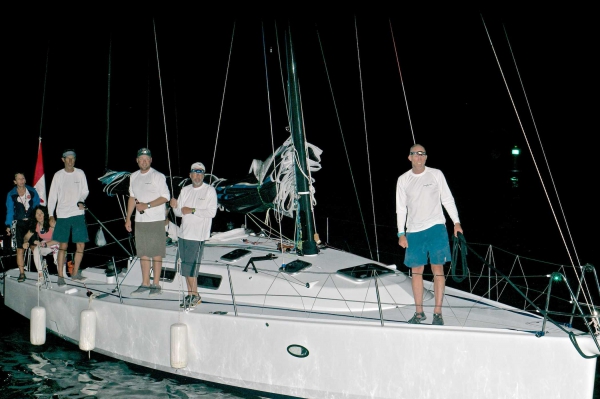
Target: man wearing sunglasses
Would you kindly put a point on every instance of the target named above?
(197, 206)
(420, 195)
(148, 193)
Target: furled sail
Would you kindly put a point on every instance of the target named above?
(270, 184)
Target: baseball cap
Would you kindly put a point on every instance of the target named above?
(144, 151)
(197, 166)
(69, 152)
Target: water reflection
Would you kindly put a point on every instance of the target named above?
(59, 369)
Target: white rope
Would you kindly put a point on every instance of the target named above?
(585, 293)
(367, 144)
(402, 82)
(267, 213)
(162, 101)
(222, 102)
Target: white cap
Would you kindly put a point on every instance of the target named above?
(197, 165)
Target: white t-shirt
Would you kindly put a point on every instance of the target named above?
(146, 187)
(421, 197)
(66, 190)
(196, 226)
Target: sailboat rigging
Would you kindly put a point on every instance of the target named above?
(316, 321)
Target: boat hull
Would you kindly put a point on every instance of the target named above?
(345, 359)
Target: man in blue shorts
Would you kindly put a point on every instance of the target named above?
(68, 192)
(420, 194)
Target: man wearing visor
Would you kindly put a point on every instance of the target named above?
(197, 206)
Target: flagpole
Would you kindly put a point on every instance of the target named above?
(39, 179)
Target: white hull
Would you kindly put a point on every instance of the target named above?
(485, 354)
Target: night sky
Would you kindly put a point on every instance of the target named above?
(458, 105)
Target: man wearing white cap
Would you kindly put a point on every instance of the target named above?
(197, 206)
(68, 192)
(148, 193)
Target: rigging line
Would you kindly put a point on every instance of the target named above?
(176, 126)
(222, 101)
(527, 140)
(311, 190)
(541, 146)
(148, 103)
(277, 184)
(354, 185)
(44, 91)
(162, 100)
(402, 82)
(287, 111)
(108, 100)
(366, 139)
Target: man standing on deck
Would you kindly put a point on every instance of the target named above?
(197, 206)
(20, 202)
(148, 193)
(420, 194)
(68, 192)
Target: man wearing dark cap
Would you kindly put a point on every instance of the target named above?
(68, 192)
(148, 193)
(197, 206)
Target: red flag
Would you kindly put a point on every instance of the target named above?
(39, 181)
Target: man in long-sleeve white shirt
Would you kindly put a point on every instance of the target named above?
(148, 193)
(68, 192)
(197, 206)
(420, 195)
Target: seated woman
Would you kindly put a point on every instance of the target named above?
(39, 238)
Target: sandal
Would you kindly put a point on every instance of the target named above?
(417, 318)
(21, 278)
(437, 319)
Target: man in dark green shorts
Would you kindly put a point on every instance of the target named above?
(68, 192)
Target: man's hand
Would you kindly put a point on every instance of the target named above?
(457, 229)
(402, 241)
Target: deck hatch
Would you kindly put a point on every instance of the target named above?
(209, 281)
(295, 266)
(365, 272)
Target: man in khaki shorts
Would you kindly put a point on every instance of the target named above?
(148, 193)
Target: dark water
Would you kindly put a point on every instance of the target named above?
(59, 369)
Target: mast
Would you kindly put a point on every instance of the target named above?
(306, 244)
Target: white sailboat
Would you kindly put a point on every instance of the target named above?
(301, 319)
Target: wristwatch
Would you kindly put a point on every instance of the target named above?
(193, 210)
(149, 205)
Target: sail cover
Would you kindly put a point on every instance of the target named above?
(270, 184)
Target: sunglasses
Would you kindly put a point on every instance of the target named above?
(198, 171)
(421, 153)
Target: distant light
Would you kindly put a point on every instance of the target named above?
(516, 151)
(556, 277)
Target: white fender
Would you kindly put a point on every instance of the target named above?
(179, 345)
(87, 330)
(37, 328)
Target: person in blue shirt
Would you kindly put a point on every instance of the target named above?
(20, 203)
